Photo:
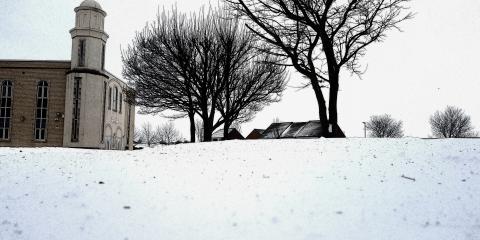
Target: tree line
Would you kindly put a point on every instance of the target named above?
(452, 122)
(152, 135)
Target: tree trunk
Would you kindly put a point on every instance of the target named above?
(332, 104)
(332, 107)
(322, 108)
(207, 130)
(226, 126)
(191, 117)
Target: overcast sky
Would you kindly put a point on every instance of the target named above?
(431, 64)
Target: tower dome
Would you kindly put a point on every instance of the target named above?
(90, 3)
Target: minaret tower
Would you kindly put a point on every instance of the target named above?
(85, 93)
(88, 37)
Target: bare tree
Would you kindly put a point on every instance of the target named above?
(157, 65)
(167, 133)
(148, 134)
(384, 126)
(201, 64)
(453, 122)
(174, 64)
(321, 37)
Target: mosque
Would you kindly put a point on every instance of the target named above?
(75, 103)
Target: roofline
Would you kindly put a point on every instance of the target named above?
(90, 8)
(32, 60)
(34, 64)
(112, 75)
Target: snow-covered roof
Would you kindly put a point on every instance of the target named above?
(219, 133)
(293, 129)
(309, 129)
(275, 130)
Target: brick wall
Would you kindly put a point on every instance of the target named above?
(25, 75)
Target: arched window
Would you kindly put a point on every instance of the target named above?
(42, 110)
(6, 92)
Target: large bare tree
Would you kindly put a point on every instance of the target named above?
(203, 63)
(384, 126)
(157, 65)
(321, 37)
(453, 122)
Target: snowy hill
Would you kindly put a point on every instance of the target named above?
(279, 189)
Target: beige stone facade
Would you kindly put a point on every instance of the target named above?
(73, 103)
(25, 77)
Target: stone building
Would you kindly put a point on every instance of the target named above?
(73, 103)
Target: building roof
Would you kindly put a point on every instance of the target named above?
(90, 3)
(47, 64)
(309, 129)
(232, 132)
(34, 64)
(293, 129)
(275, 130)
(111, 76)
(255, 134)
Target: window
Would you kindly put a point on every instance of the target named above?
(103, 56)
(42, 109)
(77, 90)
(103, 110)
(81, 52)
(109, 98)
(115, 100)
(121, 104)
(5, 109)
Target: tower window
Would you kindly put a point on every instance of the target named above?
(103, 109)
(5, 109)
(115, 100)
(103, 56)
(109, 98)
(81, 52)
(42, 110)
(121, 104)
(77, 89)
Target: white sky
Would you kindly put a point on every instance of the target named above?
(432, 63)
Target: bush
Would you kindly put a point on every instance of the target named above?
(453, 122)
(384, 126)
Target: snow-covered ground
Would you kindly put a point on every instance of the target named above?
(280, 189)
